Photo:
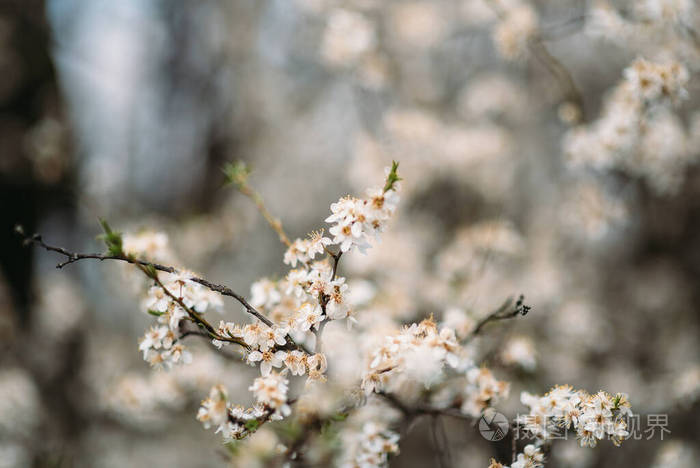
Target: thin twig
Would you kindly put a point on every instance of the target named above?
(422, 410)
(503, 312)
(274, 223)
(559, 71)
(513, 441)
(436, 443)
(336, 259)
(323, 300)
(194, 315)
(554, 32)
(74, 257)
(143, 265)
(186, 333)
(445, 441)
(536, 45)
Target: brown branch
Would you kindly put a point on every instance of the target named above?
(143, 265)
(336, 259)
(73, 257)
(559, 71)
(557, 31)
(420, 410)
(200, 334)
(537, 47)
(274, 223)
(193, 314)
(440, 444)
(504, 312)
(694, 36)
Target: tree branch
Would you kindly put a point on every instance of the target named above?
(537, 47)
(559, 71)
(237, 174)
(73, 257)
(194, 315)
(420, 410)
(504, 312)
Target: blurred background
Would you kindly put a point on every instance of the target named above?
(128, 110)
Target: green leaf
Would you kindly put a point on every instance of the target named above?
(340, 416)
(392, 178)
(112, 239)
(155, 312)
(252, 425)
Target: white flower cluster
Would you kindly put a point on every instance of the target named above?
(417, 353)
(530, 457)
(594, 417)
(235, 422)
(421, 356)
(355, 221)
(303, 250)
(159, 345)
(652, 81)
(313, 293)
(640, 25)
(520, 351)
(482, 390)
(371, 447)
(160, 349)
(588, 211)
(147, 400)
(271, 391)
(146, 244)
(636, 131)
(297, 306)
(265, 342)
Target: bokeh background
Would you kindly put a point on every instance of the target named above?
(128, 110)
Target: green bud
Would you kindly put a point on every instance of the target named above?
(112, 239)
(236, 173)
(392, 178)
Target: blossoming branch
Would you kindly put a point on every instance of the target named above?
(422, 369)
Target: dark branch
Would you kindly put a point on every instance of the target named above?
(336, 259)
(556, 68)
(144, 265)
(420, 410)
(559, 71)
(73, 257)
(506, 311)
